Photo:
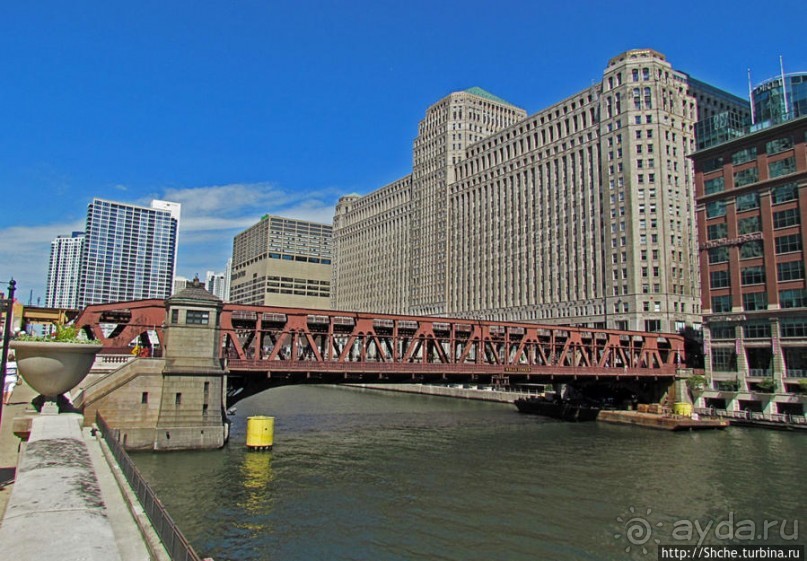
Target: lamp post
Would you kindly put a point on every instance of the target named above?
(9, 308)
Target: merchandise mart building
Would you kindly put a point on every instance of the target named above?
(581, 214)
(751, 188)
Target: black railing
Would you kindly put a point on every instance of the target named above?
(171, 536)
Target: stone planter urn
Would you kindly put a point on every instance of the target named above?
(54, 368)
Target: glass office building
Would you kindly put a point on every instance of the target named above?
(129, 251)
(774, 104)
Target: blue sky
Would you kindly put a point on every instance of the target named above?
(237, 108)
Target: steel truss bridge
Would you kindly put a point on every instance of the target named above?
(265, 346)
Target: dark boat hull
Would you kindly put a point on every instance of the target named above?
(557, 409)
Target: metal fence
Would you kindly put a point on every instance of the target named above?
(171, 536)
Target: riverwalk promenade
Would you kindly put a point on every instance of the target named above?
(62, 496)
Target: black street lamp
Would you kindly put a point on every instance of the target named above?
(8, 307)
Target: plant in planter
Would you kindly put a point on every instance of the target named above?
(52, 365)
(696, 383)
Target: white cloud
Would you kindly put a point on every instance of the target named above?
(211, 217)
(24, 255)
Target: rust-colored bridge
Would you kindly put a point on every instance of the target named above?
(267, 346)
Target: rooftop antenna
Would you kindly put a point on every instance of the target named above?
(751, 99)
(784, 87)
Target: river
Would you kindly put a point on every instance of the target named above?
(365, 475)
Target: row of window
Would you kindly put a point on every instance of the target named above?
(793, 298)
(754, 248)
(750, 175)
(775, 146)
(788, 271)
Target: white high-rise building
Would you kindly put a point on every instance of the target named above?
(64, 271)
(218, 284)
(129, 253)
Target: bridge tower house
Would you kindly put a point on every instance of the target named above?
(192, 412)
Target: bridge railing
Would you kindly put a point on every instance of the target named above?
(178, 548)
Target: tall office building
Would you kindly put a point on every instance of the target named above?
(64, 271)
(129, 251)
(579, 214)
(751, 189)
(282, 262)
(218, 284)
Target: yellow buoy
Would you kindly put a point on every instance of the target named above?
(260, 432)
(683, 409)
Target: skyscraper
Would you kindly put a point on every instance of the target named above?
(129, 251)
(581, 213)
(64, 271)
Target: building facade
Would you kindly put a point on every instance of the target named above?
(129, 251)
(218, 284)
(751, 189)
(579, 214)
(64, 269)
(282, 262)
(775, 104)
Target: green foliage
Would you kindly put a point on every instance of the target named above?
(696, 382)
(766, 386)
(64, 334)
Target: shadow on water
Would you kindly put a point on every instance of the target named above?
(370, 475)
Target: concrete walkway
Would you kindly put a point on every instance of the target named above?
(64, 491)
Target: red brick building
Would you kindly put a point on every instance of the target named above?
(751, 196)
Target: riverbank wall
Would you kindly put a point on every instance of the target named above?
(447, 391)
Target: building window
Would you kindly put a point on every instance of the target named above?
(715, 209)
(749, 225)
(752, 275)
(174, 316)
(712, 164)
(793, 327)
(746, 177)
(716, 185)
(743, 156)
(778, 145)
(786, 244)
(144, 398)
(791, 270)
(747, 202)
(719, 279)
(724, 360)
(786, 218)
(755, 301)
(782, 167)
(717, 231)
(178, 399)
(757, 330)
(796, 298)
(721, 304)
(784, 193)
(752, 249)
(722, 331)
(197, 317)
(718, 254)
